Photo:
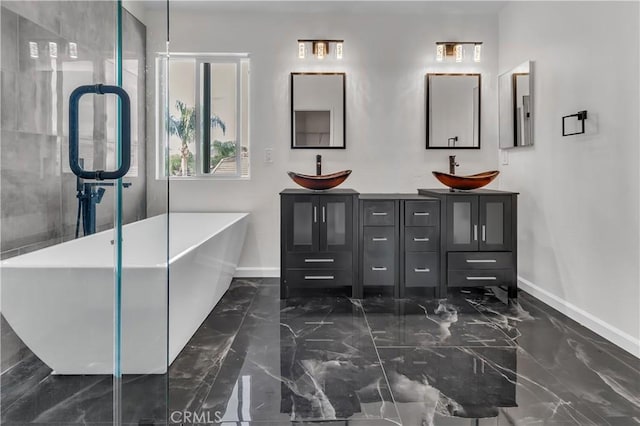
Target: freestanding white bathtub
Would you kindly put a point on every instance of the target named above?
(60, 300)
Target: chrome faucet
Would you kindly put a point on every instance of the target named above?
(452, 164)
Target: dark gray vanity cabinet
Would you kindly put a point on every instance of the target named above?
(399, 242)
(479, 237)
(318, 239)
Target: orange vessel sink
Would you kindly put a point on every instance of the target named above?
(466, 182)
(319, 182)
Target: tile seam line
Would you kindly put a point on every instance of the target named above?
(384, 372)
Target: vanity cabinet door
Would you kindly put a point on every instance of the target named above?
(462, 223)
(335, 217)
(495, 223)
(301, 216)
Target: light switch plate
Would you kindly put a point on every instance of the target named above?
(504, 154)
(268, 155)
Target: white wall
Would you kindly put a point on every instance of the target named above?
(579, 195)
(386, 57)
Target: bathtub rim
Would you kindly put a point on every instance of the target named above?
(13, 263)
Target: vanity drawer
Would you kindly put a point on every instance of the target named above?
(480, 260)
(378, 213)
(378, 271)
(421, 269)
(300, 278)
(325, 260)
(472, 278)
(378, 240)
(421, 238)
(421, 213)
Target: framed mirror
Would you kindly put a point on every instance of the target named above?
(453, 111)
(515, 91)
(318, 111)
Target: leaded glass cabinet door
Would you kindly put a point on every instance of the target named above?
(336, 223)
(495, 223)
(462, 223)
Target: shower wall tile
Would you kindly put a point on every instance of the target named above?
(9, 120)
(9, 41)
(30, 196)
(38, 191)
(34, 102)
(45, 13)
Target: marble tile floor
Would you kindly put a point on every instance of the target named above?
(471, 359)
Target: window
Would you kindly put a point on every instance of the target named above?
(206, 120)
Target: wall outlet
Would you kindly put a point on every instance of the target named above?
(268, 155)
(504, 154)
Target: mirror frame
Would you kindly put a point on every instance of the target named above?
(511, 116)
(427, 84)
(344, 111)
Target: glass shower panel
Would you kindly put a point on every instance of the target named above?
(73, 300)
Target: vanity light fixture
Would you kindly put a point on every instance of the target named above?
(320, 48)
(456, 50)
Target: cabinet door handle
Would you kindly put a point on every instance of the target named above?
(421, 270)
(481, 278)
(420, 239)
(475, 366)
(379, 268)
(484, 233)
(482, 366)
(324, 216)
(379, 214)
(318, 277)
(315, 214)
(318, 261)
(481, 261)
(421, 213)
(475, 232)
(379, 239)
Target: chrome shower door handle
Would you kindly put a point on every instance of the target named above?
(125, 132)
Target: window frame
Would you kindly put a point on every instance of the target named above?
(163, 62)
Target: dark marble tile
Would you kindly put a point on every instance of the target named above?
(428, 322)
(88, 399)
(198, 364)
(433, 384)
(315, 360)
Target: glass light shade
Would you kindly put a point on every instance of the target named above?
(33, 49)
(439, 52)
(458, 52)
(301, 50)
(477, 52)
(338, 50)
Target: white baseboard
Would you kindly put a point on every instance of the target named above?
(593, 323)
(257, 272)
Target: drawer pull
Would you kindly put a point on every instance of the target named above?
(481, 261)
(420, 239)
(421, 270)
(378, 268)
(379, 239)
(318, 261)
(481, 278)
(379, 214)
(318, 277)
(421, 213)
